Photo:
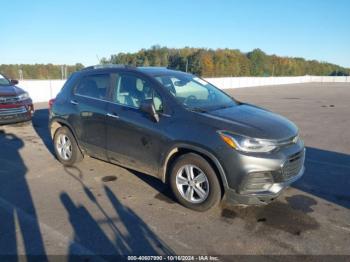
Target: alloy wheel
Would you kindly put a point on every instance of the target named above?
(64, 147)
(192, 184)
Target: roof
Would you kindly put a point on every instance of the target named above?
(104, 66)
(150, 70)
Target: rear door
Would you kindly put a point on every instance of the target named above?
(89, 99)
(133, 138)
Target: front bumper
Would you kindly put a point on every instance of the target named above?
(262, 198)
(256, 179)
(16, 113)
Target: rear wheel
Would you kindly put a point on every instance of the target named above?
(66, 147)
(194, 182)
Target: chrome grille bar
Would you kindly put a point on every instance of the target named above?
(12, 111)
(293, 165)
(8, 99)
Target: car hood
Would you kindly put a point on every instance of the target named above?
(254, 122)
(10, 90)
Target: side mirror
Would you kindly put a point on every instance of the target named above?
(147, 106)
(14, 82)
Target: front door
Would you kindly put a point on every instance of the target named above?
(134, 139)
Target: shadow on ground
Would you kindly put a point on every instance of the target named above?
(17, 209)
(40, 123)
(327, 176)
(165, 194)
(292, 217)
(130, 235)
(19, 218)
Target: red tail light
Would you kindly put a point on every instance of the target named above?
(51, 101)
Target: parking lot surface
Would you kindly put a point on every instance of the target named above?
(99, 208)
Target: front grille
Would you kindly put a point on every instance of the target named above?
(12, 111)
(293, 165)
(288, 141)
(9, 99)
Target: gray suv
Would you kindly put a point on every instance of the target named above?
(179, 128)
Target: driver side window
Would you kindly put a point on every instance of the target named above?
(131, 90)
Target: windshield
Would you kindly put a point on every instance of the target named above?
(4, 81)
(195, 93)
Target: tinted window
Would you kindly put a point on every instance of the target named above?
(94, 86)
(131, 90)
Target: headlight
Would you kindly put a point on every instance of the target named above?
(247, 144)
(23, 96)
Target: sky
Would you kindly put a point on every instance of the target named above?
(73, 31)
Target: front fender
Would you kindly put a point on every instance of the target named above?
(195, 149)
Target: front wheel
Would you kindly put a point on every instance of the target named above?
(66, 147)
(194, 182)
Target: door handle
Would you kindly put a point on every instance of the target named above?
(73, 102)
(113, 115)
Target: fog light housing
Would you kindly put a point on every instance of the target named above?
(257, 182)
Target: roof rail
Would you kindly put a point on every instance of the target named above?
(153, 67)
(101, 66)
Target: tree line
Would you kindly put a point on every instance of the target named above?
(225, 62)
(200, 61)
(38, 71)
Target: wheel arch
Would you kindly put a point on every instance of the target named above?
(182, 149)
(55, 124)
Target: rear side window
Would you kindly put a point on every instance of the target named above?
(94, 86)
(69, 84)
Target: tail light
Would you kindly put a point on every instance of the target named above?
(51, 102)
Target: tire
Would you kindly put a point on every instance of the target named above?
(210, 193)
(71, 154)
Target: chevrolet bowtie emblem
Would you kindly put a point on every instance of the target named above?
(295, 139)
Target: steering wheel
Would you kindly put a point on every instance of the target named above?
(190, 99)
